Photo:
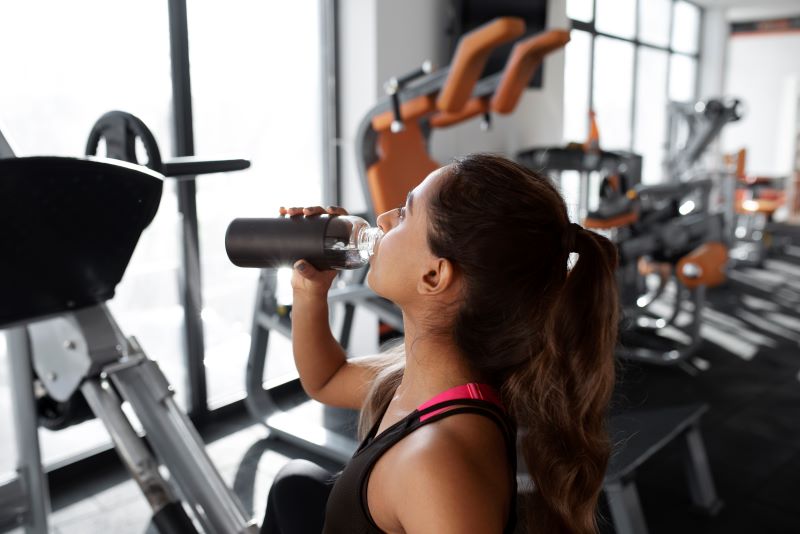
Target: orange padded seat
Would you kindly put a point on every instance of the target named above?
(710, 260)
(404, 163)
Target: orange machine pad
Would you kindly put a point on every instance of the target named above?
(525, 59)
(614, 222)
(470, 59)
(711, 258)
(475, 107)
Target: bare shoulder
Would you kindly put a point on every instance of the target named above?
(451, 476)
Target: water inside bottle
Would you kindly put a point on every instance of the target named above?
(350, 242)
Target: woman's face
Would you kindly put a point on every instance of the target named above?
(402, 257)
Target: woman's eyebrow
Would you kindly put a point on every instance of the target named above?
(410, 200)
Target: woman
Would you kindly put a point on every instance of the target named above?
(499, 334)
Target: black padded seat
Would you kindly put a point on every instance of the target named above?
(68, 228)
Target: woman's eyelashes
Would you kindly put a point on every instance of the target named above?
(401, 213)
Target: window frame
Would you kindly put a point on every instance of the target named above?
(591, 29)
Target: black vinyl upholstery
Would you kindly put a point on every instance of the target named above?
(68, 228)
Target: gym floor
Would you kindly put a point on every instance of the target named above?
(750, 379)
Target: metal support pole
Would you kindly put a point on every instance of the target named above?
(626, 510)
(258, 401)
(331, 152)
(106, 405)
(176, 443)
(701, 483)
(29, 459)
(191, 286)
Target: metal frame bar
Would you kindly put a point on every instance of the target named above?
(635, 77)
(331, 116)
(625, 507)
(26, 422)
(591, 28)
(191, 294)
(702, 490)
(176, 443)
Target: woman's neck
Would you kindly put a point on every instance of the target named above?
(433, 365)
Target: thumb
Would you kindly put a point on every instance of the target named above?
(305, 269)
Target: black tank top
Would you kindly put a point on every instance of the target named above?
(347, 509)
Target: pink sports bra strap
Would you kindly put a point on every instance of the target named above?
(473, 390)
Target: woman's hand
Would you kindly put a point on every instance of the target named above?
(307, 280)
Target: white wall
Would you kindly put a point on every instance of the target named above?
(382, 38)
(763, 70)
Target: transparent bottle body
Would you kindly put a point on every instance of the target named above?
(350, 242)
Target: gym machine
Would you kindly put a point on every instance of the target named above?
(70, 228)
(665, 230)
(756, 200)
(625, 166)
(692, 127)
(392, 158)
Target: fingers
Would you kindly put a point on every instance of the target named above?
(336, 210)
(291, 212)
(312, 211)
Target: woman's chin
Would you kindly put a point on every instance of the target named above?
(371, 282)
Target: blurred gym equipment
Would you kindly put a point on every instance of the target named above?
(663, 230)
(66, 350)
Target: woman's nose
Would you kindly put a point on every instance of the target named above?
(384, 221)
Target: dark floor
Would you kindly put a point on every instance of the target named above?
(750, 379)
(752, 430)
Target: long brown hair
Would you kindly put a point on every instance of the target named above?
(539, 332)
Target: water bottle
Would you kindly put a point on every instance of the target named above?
(325, 241)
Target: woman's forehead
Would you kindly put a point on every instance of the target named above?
(429, 184)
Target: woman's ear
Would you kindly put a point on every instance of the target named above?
(437, 278)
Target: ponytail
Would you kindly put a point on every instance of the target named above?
(561, 395)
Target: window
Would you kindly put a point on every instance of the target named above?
(257, 94)
(58, 92)
(581, 10)
(685, 27)
(613, 83)
(654, 22)
(651, 120)
(682, 70)
(577, 69)
(616, 17)
(634, 56)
